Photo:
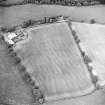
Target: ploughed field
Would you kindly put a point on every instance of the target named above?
(92, 39)
(54, 61)
(10, 16)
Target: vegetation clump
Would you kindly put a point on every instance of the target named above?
(8, 29)
(27, 23)
(3, 29)
(92, 21)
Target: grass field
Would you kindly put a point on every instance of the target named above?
(54, 61)
(17, 14)
(13, 90)
(93, 40)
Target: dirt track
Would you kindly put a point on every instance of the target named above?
(96, 98)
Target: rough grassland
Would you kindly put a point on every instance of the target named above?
(17, 14)
(54, 61)
(93, 41)
(13, 90)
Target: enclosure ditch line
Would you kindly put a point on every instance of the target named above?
(36, 92)
(87, 60)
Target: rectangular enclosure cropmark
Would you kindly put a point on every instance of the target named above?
(92, 38)
(54, 61)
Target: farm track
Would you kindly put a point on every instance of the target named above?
(95, 98)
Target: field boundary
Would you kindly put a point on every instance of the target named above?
(87, 60)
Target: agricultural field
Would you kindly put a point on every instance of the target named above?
(92, 39)
(54, 61)
(14, 15)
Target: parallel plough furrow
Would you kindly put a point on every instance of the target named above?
(53, 63)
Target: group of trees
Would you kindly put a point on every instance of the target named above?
(102, 1)
(31, 22)
(2, 0)
(60, 2)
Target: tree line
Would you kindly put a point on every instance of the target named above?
(65, 2)
(58, 2)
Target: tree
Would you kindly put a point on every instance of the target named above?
(2, 0)
(92, 21)
(27, 23)
(102, 1)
